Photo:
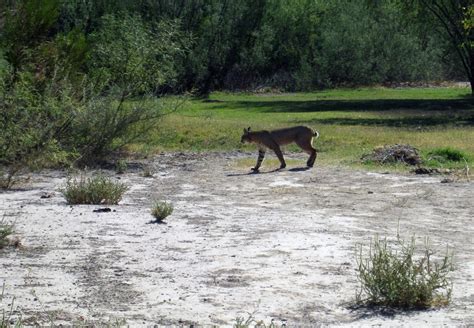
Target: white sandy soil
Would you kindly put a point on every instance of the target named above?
(278, 245)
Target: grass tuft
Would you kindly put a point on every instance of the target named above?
(447, 154)
(121, 166)
(250, 321)
(94, 190)
(161, 210)
(6, 230)
(402, 279)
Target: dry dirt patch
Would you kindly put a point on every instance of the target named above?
(277, 244)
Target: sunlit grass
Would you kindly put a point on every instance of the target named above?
(351, 121)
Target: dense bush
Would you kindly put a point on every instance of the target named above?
(135, 56)
(295, 44)
(398, 277)
(31, 123)
(65, 97)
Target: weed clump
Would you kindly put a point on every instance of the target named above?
(400, 279)
(5, 231)
(161, 210)
(447, 154)
(121, 166)
(94, 190)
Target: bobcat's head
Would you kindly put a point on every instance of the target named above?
(246, 136)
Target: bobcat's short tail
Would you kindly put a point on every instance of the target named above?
(316, 134)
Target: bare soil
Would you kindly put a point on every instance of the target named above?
(278, 245)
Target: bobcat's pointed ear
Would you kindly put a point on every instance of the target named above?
(248, 130)
(245, 131)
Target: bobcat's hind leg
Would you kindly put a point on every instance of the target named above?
(308, 148)
(312, 158)
(261, 156)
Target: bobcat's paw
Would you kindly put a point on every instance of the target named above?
(254, 170)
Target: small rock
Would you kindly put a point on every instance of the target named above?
(46, 195)
(102, 210)
(447, 180)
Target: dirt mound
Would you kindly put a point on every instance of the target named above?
(394, 154)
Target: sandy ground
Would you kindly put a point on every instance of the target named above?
(280, 245)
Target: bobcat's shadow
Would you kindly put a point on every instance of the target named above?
(296, 169)
(299, 169)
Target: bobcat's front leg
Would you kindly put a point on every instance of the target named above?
(261, 156)
(279, 154)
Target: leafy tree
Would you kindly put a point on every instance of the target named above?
(133, 55)
(456, 20)
(129, 62)
(27, 24)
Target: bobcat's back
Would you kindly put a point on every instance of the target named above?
(295, 134)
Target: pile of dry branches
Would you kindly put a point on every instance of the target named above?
(393, 154)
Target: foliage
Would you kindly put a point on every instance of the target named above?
(128, 58)
(161, 210)
(103, 124)
(6, 230)
(31, 124)
(54, 110)
(120, 166)
(133, 55)
(296, 45)
(454, 18)
(447, 154)
(398, 277)
(360, 46)
(250, 321)
(27, 24)
(94, 190)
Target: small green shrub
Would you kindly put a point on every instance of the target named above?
(148, 171)
(447, 154)
(250, 322)
(121, 166)
(94, 190)
(161, 210)
(5, 231)
(7, 177)
(400, 279)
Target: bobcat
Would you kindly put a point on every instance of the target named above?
(301, 135)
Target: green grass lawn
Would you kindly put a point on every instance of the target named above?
(351, 121)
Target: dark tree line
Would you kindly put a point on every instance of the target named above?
(244, 44)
